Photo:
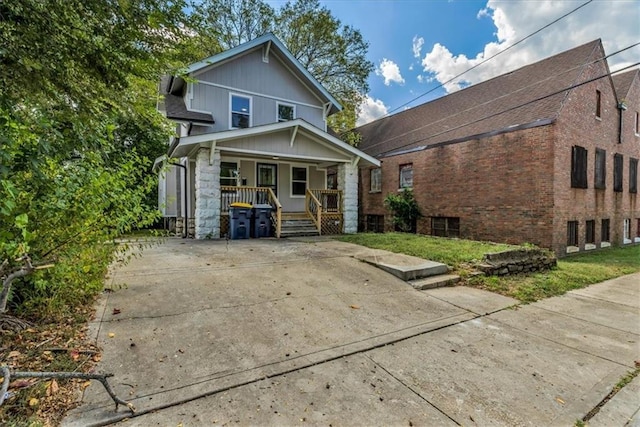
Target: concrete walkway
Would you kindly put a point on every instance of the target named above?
(267, 332)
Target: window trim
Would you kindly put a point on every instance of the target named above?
(404, 166)
(231, 112)
(284, 104)
(291, 181)
(379, 186)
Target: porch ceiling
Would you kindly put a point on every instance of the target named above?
(329, 149)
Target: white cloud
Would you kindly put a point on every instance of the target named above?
(390, 71)
(609, 20)
(417, 46)
(370, 110)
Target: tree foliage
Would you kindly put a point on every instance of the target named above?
(78, 129)
(335, 54)
(405, 210)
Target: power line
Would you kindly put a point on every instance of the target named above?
(508, 109)
(487, 59)
(499, 97)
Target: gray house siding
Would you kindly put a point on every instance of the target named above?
(265, 83)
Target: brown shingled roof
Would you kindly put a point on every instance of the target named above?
(522, 98)
(622, 82)
(174, 108)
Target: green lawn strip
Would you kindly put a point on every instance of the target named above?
(572, 272)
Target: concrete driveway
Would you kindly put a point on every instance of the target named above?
(267, 332)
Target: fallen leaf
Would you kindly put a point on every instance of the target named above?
(116, 311)
(560, 401)
(86, 384)
(14, 354)
(111, 335)
(52, 388)
(355, 307)
(21, 383)
(33, 401)
(97, 357)
(75, 354)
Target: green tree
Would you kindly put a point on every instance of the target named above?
(78, 129)
(405, 210)
(334, 53)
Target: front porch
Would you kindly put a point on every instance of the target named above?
(322, 207)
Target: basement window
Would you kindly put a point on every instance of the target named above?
(605, 231)
(578, 167)
(590, 232)
(375, 223)
(445, 226)
(572, 234)
(626, 231)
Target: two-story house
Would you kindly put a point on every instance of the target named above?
(252, 127)
(546, 154)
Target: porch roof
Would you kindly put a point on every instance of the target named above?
(187, 146)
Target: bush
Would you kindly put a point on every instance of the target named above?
(405, 210)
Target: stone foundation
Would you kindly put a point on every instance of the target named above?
(517, 261)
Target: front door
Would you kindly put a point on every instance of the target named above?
(268, 176)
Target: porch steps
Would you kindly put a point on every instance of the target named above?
(294, 227)
(435, 281)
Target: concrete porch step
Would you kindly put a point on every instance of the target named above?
(404, 267)
(435, 281)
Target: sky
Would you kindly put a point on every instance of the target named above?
(416, 45)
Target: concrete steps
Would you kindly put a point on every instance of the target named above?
(433, 282)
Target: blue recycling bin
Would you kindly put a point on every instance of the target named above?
(261, 220)
(240, 220)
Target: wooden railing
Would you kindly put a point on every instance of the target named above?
(318, 202)
(253, 196)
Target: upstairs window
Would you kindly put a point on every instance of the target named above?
(286, 112)
(598, 102)
(406, 175)
(600, 169)
(240, 111)
(578, 167)
(637, 125)
(633, 175)
(617, 172)
(376, 180)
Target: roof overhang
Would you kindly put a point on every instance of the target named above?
(188, 146)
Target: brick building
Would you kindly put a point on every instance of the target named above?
(546, 154)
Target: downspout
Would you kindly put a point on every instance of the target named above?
(621, 107)
(184, 196)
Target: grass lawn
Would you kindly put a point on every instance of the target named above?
(572, 272)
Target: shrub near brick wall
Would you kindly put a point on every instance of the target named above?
(517, 261)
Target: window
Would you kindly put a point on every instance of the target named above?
(590, 236)
(601, 169)
(638, 229)
(375, 223)
(572, 233)
(598, 101)
(578, 167)
(633, 175)
(617, 172)
(298, 181)
(286, 112)
(604, 231)
(406, 175)
(240, 111)
(229, 173)
(626, 232)
(376, 180)
(445, 226)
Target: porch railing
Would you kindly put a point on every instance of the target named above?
(318, 202)
(253, 196)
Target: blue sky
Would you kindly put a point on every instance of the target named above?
(418, 44)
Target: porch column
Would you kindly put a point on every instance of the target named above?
(348, 184)
(207, 216)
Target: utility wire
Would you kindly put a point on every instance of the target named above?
(487, 59)
(506, 110)
(553, 77)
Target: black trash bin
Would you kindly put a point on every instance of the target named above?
(261, 220)
(240, 220)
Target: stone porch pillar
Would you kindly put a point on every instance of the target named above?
(348, 184)
(207, 186)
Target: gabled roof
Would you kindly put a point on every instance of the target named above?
(530, 96)
(622, 82)
(174, 108)
(185, 146)
(274, 46)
